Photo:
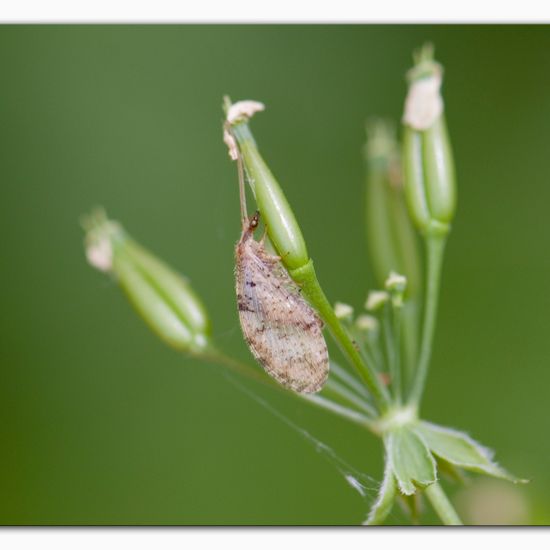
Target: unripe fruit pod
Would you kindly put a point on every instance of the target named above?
(160, 295)
(281, 224)
(428, 164)
(391, 237)
(171, 284)
(440, 171)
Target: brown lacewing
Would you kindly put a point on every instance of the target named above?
(282, 330)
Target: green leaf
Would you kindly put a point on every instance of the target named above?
(386, 497)
(459, 449)
(411, 461)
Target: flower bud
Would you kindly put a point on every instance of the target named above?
(367, 323)
(427, 157)
(396, 282)
(159, 294)
(343, 311)
(376, 299)
(282, 227)
(396, 285)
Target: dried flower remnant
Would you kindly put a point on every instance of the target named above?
(243, 109)
(237, 111)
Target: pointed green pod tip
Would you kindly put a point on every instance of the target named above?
(160, 295)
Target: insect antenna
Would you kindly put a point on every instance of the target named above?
(242, 190)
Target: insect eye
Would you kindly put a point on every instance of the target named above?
(255, 220)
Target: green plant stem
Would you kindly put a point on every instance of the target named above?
(409, 336)
(214, 355)
(373, 351)
(285, 234)
(391, 340)
(340, 410)
(218, 357)
(442, 505)
(342, 392)
(397, 312)
(305, 276)
(435, 247)
(371, 356)
(349, 380)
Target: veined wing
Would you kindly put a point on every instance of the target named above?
(282, 330)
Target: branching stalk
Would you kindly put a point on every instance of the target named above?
(218, 357)
(341, 374)
(311, 288)
(348, 395)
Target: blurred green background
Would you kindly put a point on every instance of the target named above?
(100, 422)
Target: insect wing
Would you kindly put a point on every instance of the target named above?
(281, 328)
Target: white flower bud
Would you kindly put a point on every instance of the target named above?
(343, 311)
(396, 282)
(376, 299)
(367, 323)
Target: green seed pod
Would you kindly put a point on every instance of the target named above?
(174, 286)
(391, 237)
(282, 227)
(427, 157)
(161, 296)
(285, 234)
